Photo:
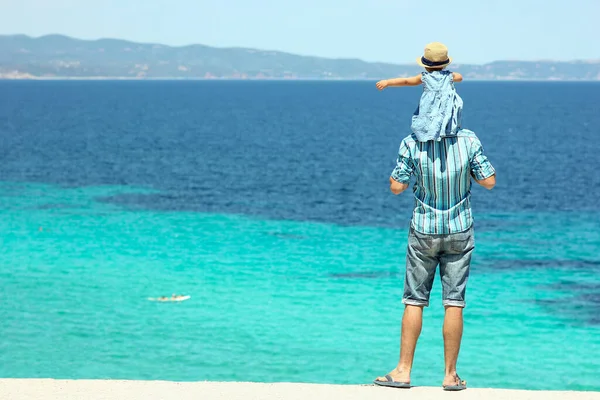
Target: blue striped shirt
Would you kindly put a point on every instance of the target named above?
(443, 172)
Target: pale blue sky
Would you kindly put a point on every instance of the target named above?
(476, 31)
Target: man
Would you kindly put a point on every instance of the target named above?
(441, 233)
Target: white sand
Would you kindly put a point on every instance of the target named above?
(49, 389)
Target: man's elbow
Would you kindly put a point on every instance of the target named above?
(488, 183)
(397, 187)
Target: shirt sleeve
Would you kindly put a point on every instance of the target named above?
(481, 167)
(404, 165)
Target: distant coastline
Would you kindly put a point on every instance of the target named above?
(60, 57)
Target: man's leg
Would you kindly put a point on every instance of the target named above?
(453, 329)
(421, 263)
(454, 271)
(412, 322)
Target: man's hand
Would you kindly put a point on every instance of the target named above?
(382, 84)
(397, 187)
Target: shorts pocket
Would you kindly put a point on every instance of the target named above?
(463, 242)
(460, 245)
(419, 242)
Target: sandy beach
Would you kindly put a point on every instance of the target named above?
(50, 389)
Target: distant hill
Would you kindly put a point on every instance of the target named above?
(57, 56)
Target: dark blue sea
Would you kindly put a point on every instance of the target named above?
(267, 202)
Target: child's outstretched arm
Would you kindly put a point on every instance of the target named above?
(396, 82)
(456, 77)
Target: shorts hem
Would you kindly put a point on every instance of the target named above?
(454, 303)
(409, 302)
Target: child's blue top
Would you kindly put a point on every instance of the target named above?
(440, 109)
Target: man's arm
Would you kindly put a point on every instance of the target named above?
(397, 187)
(482, 170)
(400, 176)
(456, 77)
(397, 82)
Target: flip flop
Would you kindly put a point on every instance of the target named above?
(456, 388)
(391, 383)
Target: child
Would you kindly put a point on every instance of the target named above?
(440, 109)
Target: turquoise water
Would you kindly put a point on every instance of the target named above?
(268, 203)
(280, 300)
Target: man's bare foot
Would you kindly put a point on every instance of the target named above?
(397, 376)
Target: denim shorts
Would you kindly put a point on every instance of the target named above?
(425, 252)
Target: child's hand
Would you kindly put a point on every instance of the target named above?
(382, 84)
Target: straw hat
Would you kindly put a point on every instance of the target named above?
(434, 56)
